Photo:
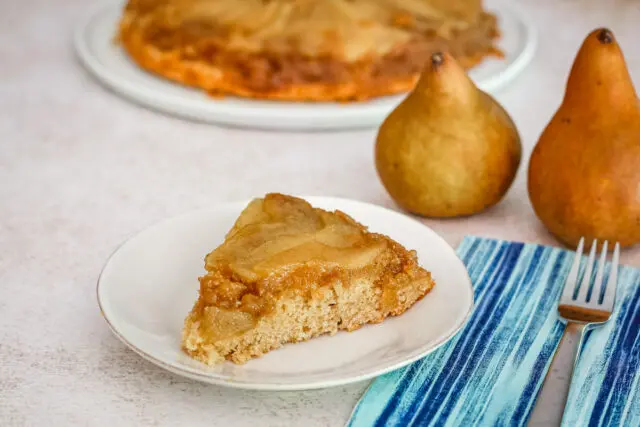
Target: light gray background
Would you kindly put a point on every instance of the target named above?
(82, 169)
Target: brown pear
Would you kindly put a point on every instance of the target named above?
(584, 172)
(448, 149)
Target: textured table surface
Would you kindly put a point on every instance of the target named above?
(82, 169)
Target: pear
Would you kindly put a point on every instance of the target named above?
(584, 172)
(449, 149)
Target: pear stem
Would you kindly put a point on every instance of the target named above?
(437, 59)
(605, 36)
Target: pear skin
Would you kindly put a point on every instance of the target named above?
(584, 172)
(448, 149)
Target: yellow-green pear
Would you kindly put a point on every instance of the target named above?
(449, 149)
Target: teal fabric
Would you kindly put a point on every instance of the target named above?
(491, 372)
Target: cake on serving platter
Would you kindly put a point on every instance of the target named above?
(302, 50)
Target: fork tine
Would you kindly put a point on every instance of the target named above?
(597, 284)
(572, 278)
(612, 283)
(586, 279)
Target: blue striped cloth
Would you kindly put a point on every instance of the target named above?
(490, 373)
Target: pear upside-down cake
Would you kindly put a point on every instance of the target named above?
(288, 272)
(314, 50)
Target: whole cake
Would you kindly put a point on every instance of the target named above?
(314, 50)
(287, 272)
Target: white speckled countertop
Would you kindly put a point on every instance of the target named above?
(81, 170)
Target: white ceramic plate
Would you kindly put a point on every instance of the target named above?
(150, 284)
(101, 56)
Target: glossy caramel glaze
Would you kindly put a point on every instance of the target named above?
(282, 244)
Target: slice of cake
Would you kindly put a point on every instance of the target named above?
(288, 272)
(316, 50)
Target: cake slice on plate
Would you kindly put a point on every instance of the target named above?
(288, 272)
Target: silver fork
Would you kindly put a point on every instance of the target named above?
(577, 313)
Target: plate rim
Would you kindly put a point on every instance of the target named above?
(369, 116)
(272, 386)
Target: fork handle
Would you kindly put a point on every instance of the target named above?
(553, 395)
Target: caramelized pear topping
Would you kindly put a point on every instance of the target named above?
(277, 234)
(282, 244)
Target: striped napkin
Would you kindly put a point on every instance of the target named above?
(491, 372)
